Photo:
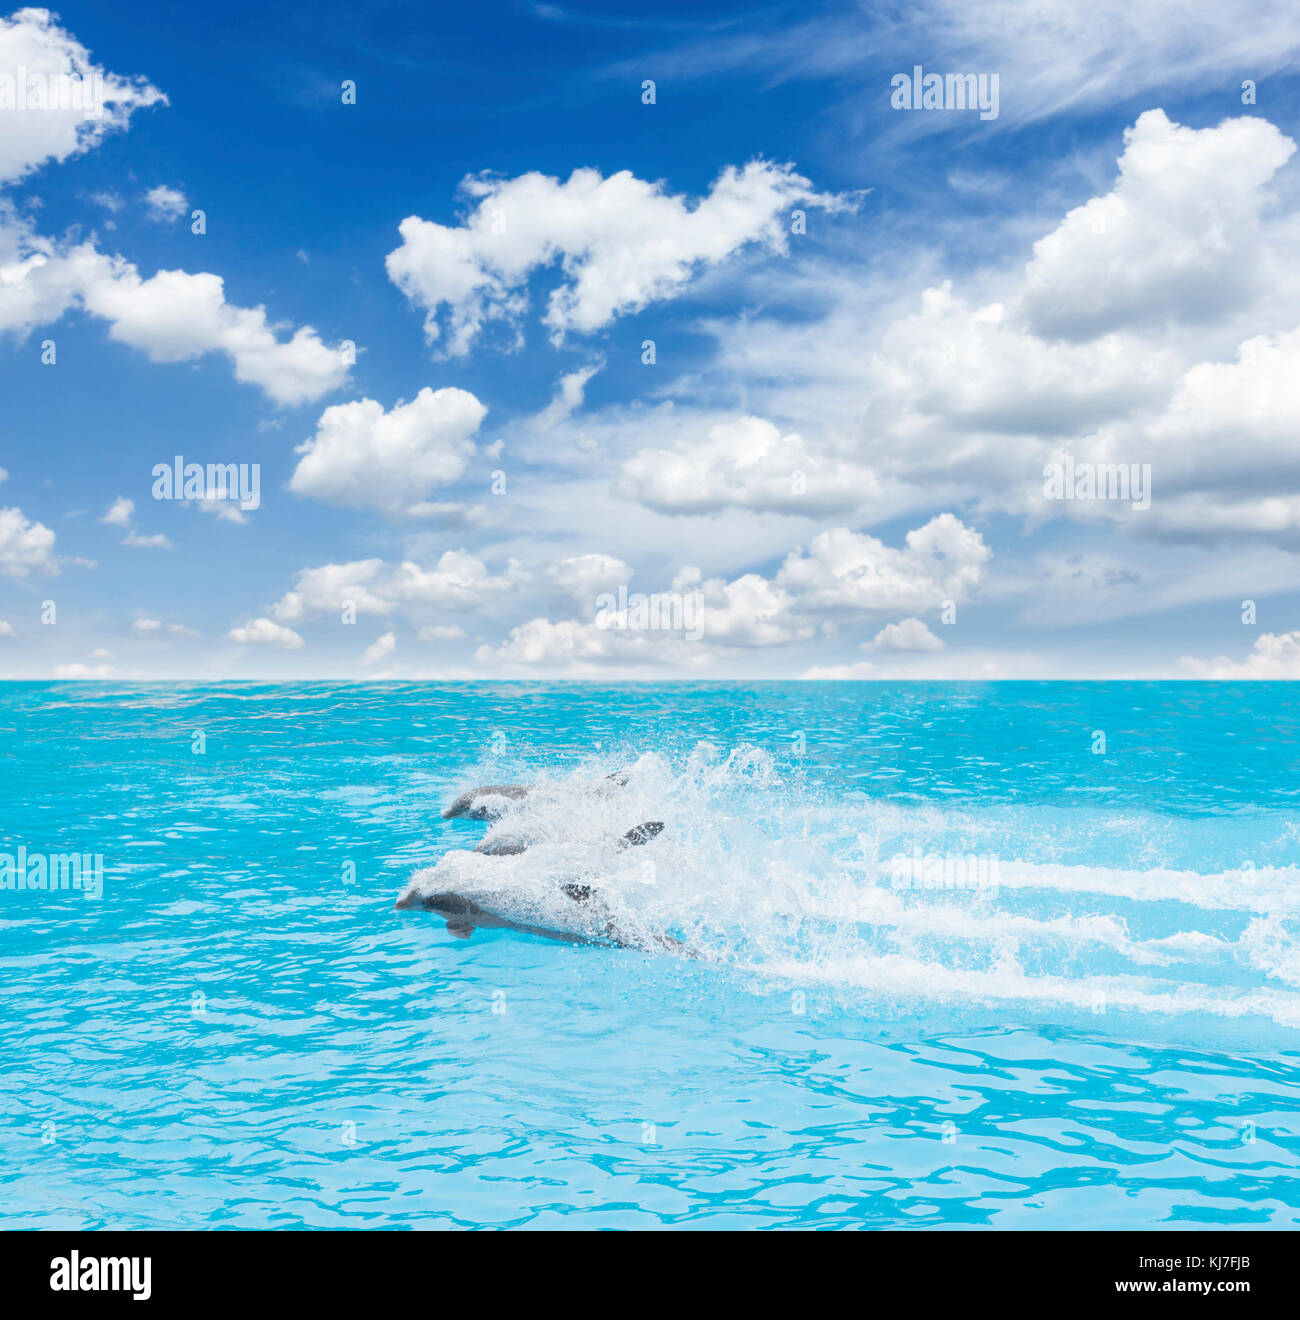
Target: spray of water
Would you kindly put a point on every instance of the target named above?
(786, 883)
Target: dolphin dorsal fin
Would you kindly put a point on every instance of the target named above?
(640, 834)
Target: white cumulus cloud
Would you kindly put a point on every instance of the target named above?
(746, 463)
(365, 458)
(79, 670)
(846, 570)
(263, 632)
(458, 580)
(164, 203)
(25, 546)
(1176, 239)
(906, 635)
(1274, 656)
(621, 243)
(38, 125)
(380, 649)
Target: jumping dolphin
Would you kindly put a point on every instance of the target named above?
(513, 847)
(491, 801)
(485, 803)
(592, 922)
(595, 926)
(501, 847)
(463, 916)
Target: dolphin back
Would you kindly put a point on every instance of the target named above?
(486, 802)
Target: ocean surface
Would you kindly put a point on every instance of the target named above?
(953, 956)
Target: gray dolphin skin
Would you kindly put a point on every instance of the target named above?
(485, 803)
(463, 915)
(502, 848)
(636, 836)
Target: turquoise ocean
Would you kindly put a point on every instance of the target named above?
(1015, 955)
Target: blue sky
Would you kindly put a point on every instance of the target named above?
(836, 462)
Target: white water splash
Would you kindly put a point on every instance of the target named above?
(790, 885)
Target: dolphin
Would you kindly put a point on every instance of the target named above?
(463, 915)
(590, 920)
(502, 847)
(486, 802)
(595, 926)
(513, 847)
(492, 801)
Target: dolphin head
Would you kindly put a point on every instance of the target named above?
(458, 910)
(486, 802)
(449, 905)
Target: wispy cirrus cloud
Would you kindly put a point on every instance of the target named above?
(1054, 57)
